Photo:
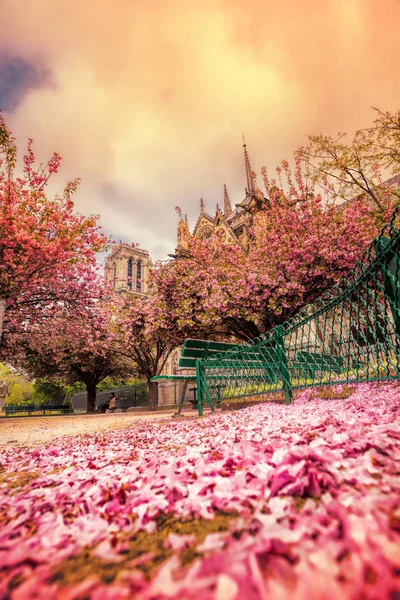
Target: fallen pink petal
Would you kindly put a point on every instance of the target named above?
(232, 510)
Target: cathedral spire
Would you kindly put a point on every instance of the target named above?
(227, 203)
(201, 205)
(183, 233)
(249, 173)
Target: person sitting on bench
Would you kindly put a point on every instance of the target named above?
(112, 402)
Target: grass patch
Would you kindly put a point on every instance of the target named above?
(328, 393)
(299, 501)
(18, 479)
(244, 402)
(77, 568)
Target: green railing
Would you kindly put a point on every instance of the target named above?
(350, 334)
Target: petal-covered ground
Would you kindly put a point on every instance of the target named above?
(271, 501)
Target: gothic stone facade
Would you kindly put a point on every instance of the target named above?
(232, 225)
(127, 269)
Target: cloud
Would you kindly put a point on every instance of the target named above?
(148, 100)
(17, 78)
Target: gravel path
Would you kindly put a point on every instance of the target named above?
(33, 431)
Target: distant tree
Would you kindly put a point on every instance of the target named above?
(47, 391)
(361, 166)
(47, 252)
(114, 382)
(19, 385)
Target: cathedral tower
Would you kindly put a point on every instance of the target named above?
(232, 225)
(127, 270)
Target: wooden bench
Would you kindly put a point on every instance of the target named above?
(192, 352)
(309, 362)
(253, 361)
(120, 404)
(249, 366)
(13, 409)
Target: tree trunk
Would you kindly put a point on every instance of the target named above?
(153, 394)
(2, 312)
(91, 397)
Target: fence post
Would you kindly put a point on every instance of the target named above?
(390, 269)
(283, 364)
(203, 394)
(199, 391)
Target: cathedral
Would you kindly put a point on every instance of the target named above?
(232, 225)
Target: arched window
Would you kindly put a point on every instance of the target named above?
(130, 271)
(114, 275)
(139, 276)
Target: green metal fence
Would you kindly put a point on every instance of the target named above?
(350, 334)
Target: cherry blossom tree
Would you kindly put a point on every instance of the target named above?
(145, 335)
(76, 345)
(47, 251)
(356, 167)
(186, 289)
(301, 244)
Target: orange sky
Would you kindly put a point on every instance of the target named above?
(146, 100)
